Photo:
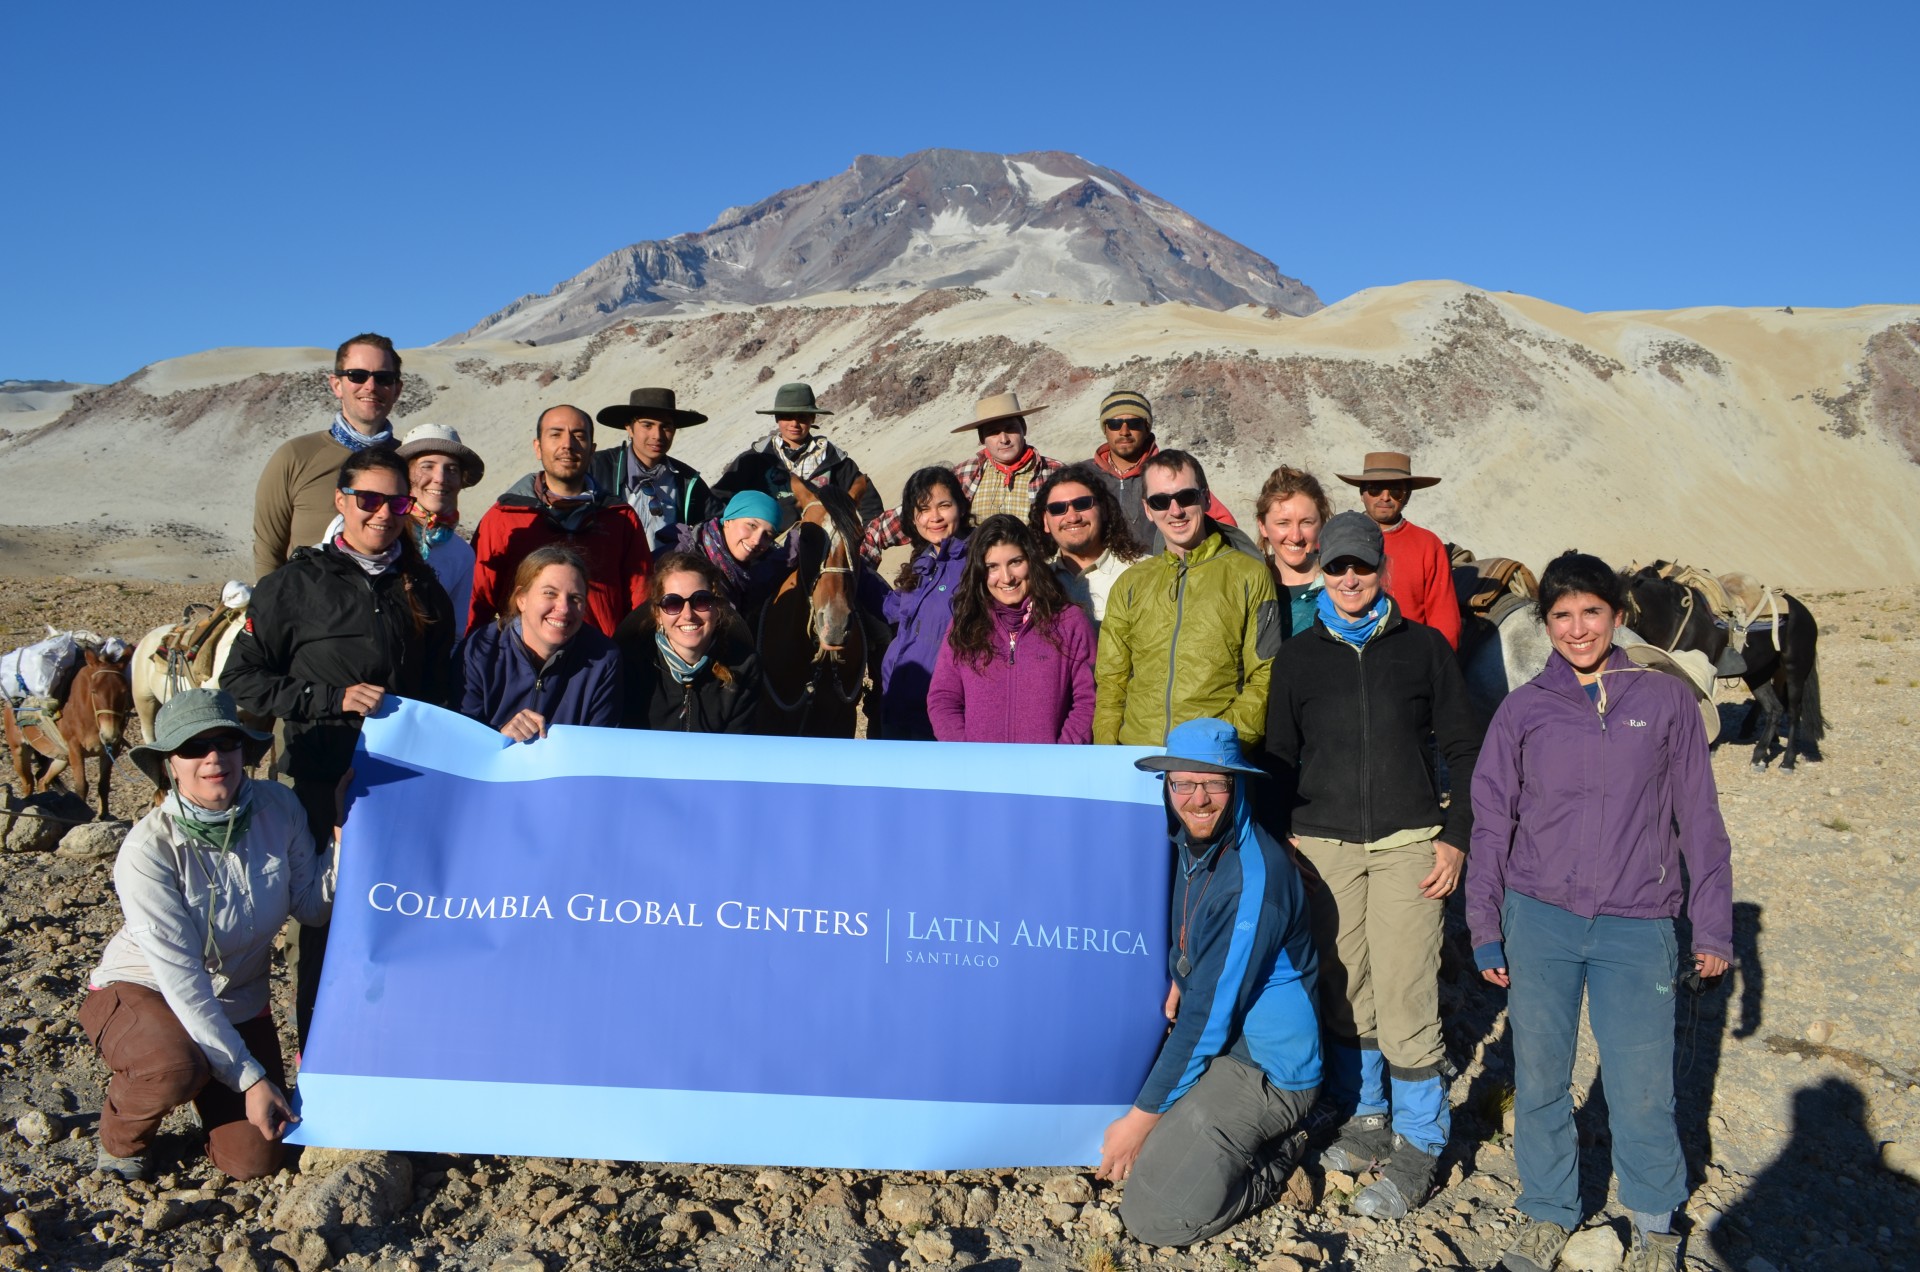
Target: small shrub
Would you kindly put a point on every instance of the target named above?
(1095, 1257)
(1840, 824)
(1882, 680)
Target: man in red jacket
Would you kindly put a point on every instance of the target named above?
(561, 504)
(1419, 575)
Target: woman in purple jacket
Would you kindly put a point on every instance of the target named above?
(1575, 884)
(921, 604)
(1017, 664)
(540, 664)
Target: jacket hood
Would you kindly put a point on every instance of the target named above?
(1239, 832)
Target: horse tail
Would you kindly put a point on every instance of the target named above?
(1813, 722)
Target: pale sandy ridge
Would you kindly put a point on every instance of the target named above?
(1710, 435)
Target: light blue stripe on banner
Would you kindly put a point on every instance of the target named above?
(429, 737)
(724, 1128)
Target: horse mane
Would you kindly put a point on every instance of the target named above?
(846, 517)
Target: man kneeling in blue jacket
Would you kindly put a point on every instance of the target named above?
(1213, 1135)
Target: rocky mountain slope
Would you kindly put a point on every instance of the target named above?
(1042, 224)
(1778, 443)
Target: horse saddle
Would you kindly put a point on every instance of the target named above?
(194, 644)
(1479, 585)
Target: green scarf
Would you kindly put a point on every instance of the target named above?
(216, 830)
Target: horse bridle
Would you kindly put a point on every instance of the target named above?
(805, 699)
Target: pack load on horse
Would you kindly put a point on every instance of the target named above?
(1766, 638)
(1502, 641)
(73, 702)
(188, 654)
(808, 635)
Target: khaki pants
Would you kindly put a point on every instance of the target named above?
(157, 1066)
(1379, 943)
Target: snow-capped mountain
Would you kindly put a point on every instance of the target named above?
(1042, 224)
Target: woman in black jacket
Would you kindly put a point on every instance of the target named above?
(331, 633)
(686, 658)
(1351, 704)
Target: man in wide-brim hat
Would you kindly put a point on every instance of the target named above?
(1003, 476)
(795, 449)
(1419, 573)
(662, 491)
(1213, 1135)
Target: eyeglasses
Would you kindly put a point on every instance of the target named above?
(1347, 565)
(1399, 490)
(1212, 785)
(1187, 498)
(1059, 507)
(370, 500)
(1127, 422)
(672, 603)
(360, 375)
(207, 743)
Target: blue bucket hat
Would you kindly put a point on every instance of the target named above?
(1201, 746)
(752, 503)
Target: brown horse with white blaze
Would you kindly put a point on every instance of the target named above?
(808, 635)
(92, 720)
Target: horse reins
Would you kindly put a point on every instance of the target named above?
(805, 698)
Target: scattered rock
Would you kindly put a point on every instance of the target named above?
(1300, 1194)
(1073, 1189)
(1820, 1032)
(1595, 1249)
(307, 1249)
(33, 834)
(907, 1204)
(833, 1204)
(518, 1261)
(1061, 1213)
(982, 1205)
(1101, 1224)
(1279, 1263)
(935, 1245)
(1904, 1158)
(238, 1259)
(93, 841)
(163, 1214)
(686, 1225)
(1435, 1246)
(35, 1127)
(363, 1192)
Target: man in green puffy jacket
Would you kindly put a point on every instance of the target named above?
(1189, 633)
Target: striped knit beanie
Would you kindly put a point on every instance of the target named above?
(1126, 402)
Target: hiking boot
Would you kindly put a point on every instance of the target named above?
(1402, 1187)
(1653, 1252)
(127, 1168)
(1323, 1117)
(1539, 1244)
(1364, 1142)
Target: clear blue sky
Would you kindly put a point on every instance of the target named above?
(185, 177)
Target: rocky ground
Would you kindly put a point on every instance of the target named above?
(1800, 1078)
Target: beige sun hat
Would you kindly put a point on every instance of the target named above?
(438, 439)
(997, 407)
(1689, 666)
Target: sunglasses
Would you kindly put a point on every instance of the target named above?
(370, 500)
(1212, 785)
(207, 743)
(360, 375)
(1059, 507)
(1347, 565)
(672, 603)
(1399, 490)
(1187, 498)
(1125, 422)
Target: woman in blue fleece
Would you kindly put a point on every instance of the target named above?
(540, 664)
(1213, 1135)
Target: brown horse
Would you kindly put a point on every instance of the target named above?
(812, 648)
(92, 717)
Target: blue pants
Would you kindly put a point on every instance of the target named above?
(1627, 967)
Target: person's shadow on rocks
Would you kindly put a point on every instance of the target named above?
(1703, 1033)
(1825, 1204)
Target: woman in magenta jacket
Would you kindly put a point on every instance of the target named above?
(1017, 664)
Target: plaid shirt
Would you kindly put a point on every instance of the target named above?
(1003, 492)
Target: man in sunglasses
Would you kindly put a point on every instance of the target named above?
(562, 504)
(1078, 521)
(293, 503)
(1419, 575)
(1001, 476)
(1213, 1136)
(1190, 631)
(1126, 417)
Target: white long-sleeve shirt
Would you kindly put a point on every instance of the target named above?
(173, 889)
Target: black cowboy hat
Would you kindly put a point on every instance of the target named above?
(649, 404)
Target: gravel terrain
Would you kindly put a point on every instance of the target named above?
(1800, 1077)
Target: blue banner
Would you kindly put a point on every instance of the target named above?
(667, 947)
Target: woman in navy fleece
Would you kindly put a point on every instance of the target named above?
(540, 665)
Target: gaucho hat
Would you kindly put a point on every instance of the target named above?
(1385, 468)
(795, 399)
(649, 404)
(998, 407)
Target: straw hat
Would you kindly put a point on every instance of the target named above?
(1689, 666)
(438, 439)
(1381, 468)
(998, 407)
